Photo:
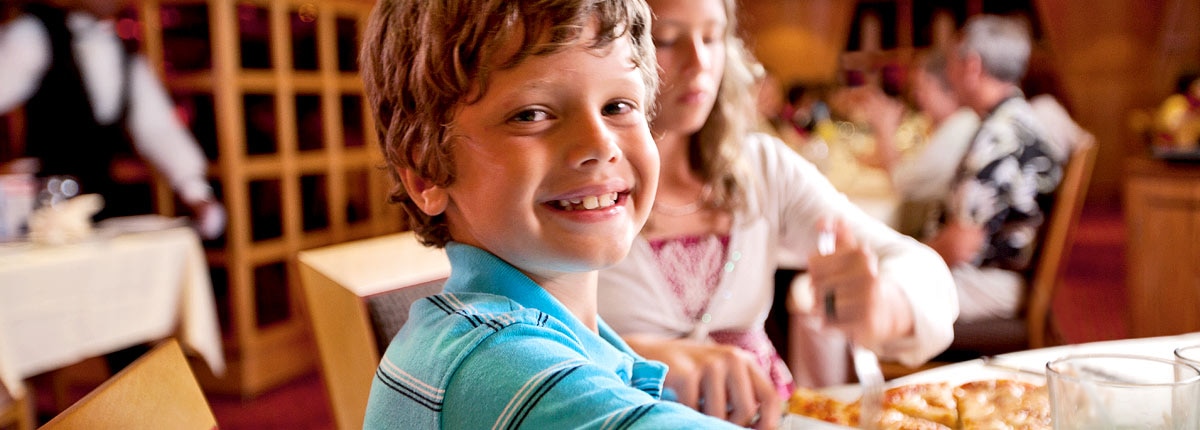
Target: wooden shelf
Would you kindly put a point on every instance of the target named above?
(1162, 213)
(293, 157)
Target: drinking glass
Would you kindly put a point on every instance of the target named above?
(1110, 391)
(1189, 355)
(57, 189)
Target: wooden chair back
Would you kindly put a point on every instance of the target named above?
(156, 391)
(16, 412)
(357, 295)
(1057, 240)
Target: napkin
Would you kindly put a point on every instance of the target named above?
(64, 222)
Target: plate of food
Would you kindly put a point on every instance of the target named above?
(983, 403)
(1004, 391)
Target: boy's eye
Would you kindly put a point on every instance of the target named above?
(530, 115)
(618, 108)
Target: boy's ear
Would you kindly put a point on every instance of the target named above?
(431, 198)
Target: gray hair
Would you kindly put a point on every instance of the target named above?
(1003, 45)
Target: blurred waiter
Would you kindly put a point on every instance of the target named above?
(88, 97)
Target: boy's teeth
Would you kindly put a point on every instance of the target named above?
(589, 202)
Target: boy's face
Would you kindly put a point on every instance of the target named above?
(555, 166)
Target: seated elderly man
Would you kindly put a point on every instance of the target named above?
(1002, 191)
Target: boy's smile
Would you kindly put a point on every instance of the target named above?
(555, 167)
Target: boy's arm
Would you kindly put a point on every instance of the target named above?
(535, 377)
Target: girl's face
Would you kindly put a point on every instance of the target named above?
(689, 37)
(555, 168)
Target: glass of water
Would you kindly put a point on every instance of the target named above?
(1110, 391)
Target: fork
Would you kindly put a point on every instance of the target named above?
(866, 363)
(866, 366)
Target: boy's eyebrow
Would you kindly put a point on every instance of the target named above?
(535, 84)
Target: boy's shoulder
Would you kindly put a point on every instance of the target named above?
(455, 317)
(447, 328)
(442, 331)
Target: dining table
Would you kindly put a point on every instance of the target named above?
(1028, 365)
(124, 285)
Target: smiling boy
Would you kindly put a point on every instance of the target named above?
(517, 131)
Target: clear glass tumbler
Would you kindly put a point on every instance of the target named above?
(1109, 391)
(1189, 355)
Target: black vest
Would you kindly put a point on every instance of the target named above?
(61, 128)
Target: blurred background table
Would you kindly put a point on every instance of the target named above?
(63, 304)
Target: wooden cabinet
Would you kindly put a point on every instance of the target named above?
(1162, 210)
(271, 90)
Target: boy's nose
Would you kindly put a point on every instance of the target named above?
(594, 144)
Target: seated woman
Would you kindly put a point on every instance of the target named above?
(698, 283)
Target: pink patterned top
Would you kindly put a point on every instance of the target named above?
(693, 265)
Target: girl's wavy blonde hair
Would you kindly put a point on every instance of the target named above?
(421, 59)
(715, 149)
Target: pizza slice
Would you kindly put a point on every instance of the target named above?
(932, 401)
(985, 404)
(1002, 403)
(893, 419)
(904, 407)
(814, 404)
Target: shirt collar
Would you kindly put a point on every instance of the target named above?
(477, 271)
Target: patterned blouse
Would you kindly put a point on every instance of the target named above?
(693, 266)
(1006, 183)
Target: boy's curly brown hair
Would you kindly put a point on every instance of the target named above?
(422, 59)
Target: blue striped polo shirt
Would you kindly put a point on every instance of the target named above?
(496, 351)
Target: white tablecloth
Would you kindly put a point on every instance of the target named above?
(62, 304)
(1034, 360)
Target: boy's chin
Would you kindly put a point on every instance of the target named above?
(587, 260)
